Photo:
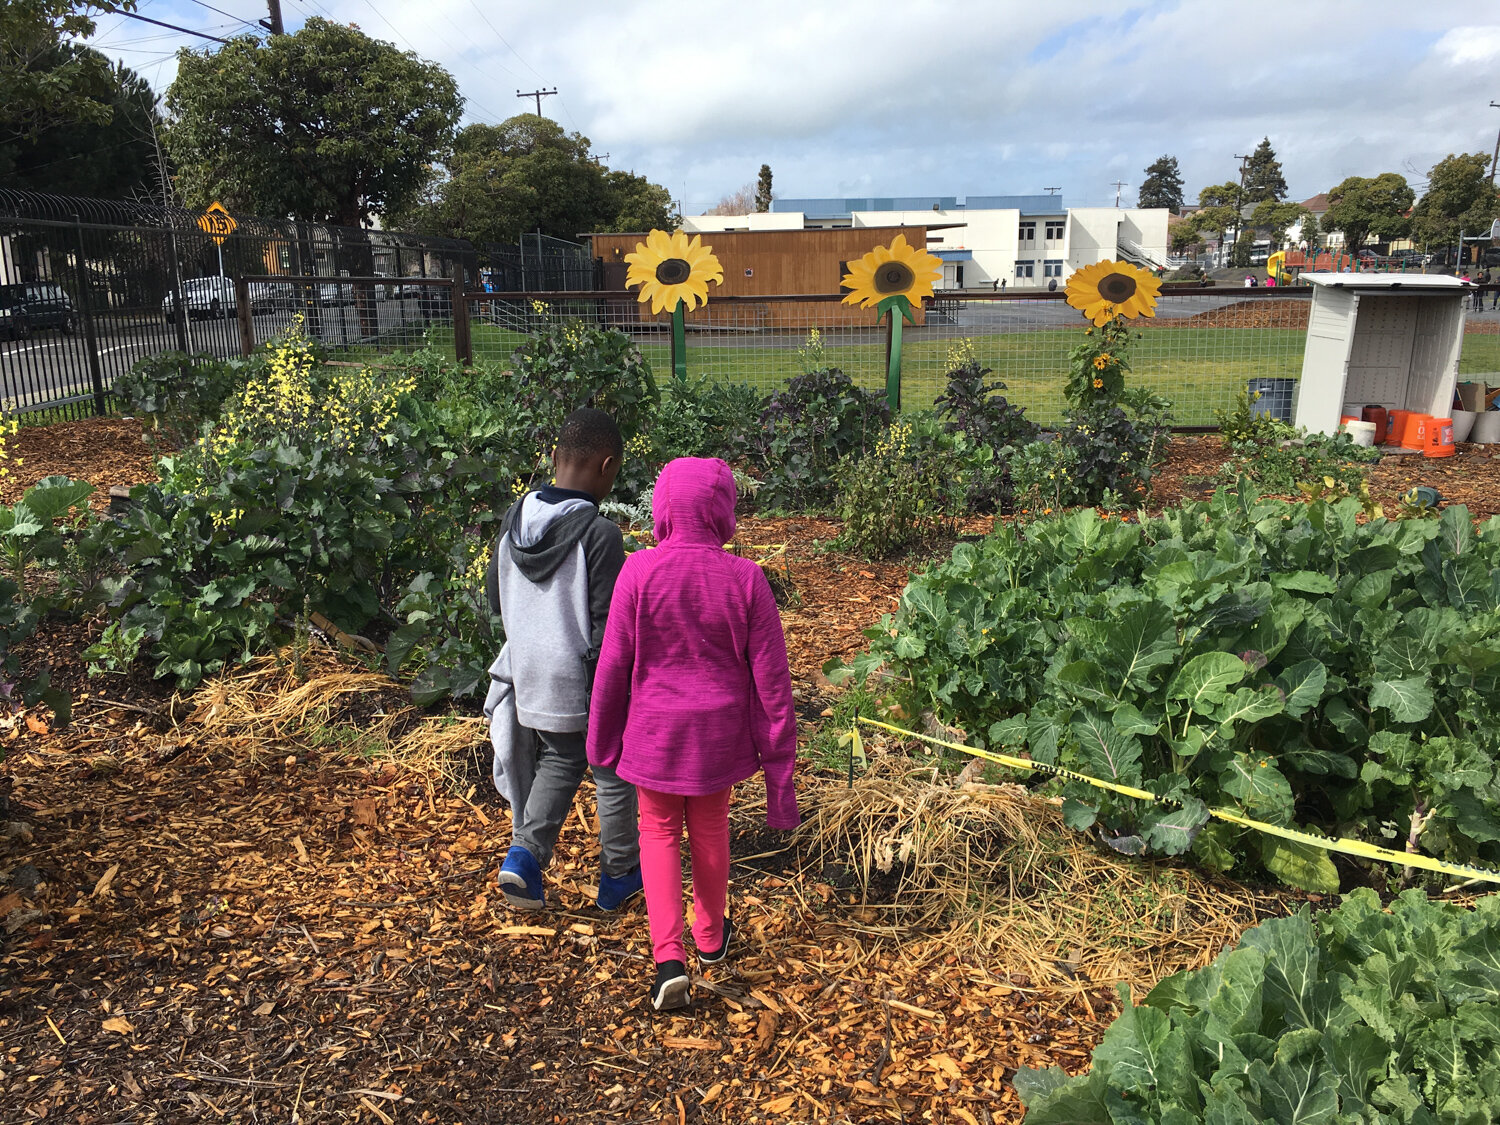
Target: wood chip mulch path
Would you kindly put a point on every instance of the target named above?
(102, 451)
(191, 931)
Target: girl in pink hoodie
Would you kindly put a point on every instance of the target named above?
(692, 694)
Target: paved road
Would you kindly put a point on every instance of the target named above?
(52, 365)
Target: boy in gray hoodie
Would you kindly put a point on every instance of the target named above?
(550, 578)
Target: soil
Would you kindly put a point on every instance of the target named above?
(194, 930)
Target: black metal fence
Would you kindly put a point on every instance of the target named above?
(90, 287)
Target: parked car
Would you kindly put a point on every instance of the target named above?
(35, 304)
(214, 297)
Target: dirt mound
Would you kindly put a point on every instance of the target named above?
(1250, 314)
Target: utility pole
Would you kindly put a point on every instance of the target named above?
(1496, 157)
(1117, 185)
(274, 24)
(538, 95)
(1239, 200)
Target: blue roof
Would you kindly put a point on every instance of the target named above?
(843, 208)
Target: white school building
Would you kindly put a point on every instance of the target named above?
(1023, 241)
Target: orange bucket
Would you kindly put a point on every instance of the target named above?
(1396, 426)
(1414, 432)
(1439, 438)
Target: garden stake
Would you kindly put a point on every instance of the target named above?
(679, 343)
(890, 280)
(673, 274)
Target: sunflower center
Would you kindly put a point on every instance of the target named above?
(673, 271)
(1117, 288)
(894, 277)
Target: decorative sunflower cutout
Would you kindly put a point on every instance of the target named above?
(891, 279)
(894, 276)
(1106, 290)
(671, 270)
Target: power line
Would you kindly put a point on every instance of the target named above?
(230, 15)
(502, 39)
(170, 26)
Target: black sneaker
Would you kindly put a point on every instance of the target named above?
(672, 989)
(714, 956)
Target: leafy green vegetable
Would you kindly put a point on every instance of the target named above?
(1282, 659)
(1360, 1015)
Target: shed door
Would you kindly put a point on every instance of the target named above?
(1380, 358)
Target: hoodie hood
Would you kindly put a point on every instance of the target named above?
(694, 502)
(542, 535)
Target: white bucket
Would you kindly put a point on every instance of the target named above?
(1486, 428)
(1463, 422)
(1363, 433)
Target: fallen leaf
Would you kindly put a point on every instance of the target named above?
(265, 1009)
(781, 1104)
(119, 1024)
(36, 725)
(9, 902)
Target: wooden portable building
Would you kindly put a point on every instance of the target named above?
(770, 264)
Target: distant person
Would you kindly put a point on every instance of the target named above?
(1271, 281)
(997, 285)
(1249, 281)
(693, 694)
(551, 577)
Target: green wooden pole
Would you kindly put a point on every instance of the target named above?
(893, 372)
(679, 343)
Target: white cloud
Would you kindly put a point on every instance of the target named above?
(955, 96)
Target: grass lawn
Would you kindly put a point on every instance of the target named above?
(1198, 369)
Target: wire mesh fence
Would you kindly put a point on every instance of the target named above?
(89, 288)
(1201, 350)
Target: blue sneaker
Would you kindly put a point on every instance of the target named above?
(614, 893)
(521, 879)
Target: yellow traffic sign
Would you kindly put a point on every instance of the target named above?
(216, 222)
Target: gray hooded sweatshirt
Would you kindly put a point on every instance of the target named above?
(550, 578)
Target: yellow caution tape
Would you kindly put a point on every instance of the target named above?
(1327, 843)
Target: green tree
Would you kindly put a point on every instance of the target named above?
(1310, 232)
(528, 174)
(763, 189)
(1459, 198)
(1361, 206)
(1162, 186)
(41, 84)
(1239, 254)
(1263, 179)
(637, 204)
(112, 160)
(327, 125)
(1276, 218)
(1217, 211)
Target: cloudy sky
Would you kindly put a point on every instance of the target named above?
(943, 97)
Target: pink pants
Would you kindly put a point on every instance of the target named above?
(707, 819)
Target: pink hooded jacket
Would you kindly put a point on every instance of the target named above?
(692, 692)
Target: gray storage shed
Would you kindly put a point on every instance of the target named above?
(1389, 339)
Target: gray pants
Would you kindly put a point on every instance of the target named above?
(560, 762)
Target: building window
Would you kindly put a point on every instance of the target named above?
(1052, 268)
(1025, 269)
(1028, 232)
(1055, 230)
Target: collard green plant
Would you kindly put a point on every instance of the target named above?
(810, 425)
(177, 393)
(567, 364)
(1390, 1017)
(1285, 660)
